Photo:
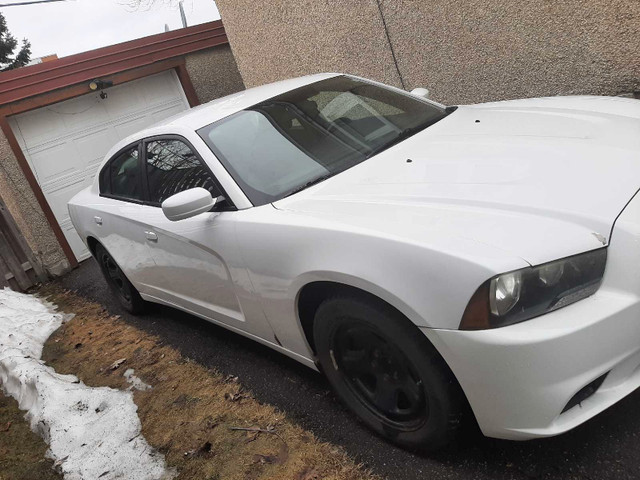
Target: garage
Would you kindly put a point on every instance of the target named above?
(65, 142)
(59, 118)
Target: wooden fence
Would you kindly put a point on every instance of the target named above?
(19, 269)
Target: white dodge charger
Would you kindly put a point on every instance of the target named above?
(426, 258)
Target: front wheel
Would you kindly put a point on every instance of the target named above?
(387, 372)
(127, 294)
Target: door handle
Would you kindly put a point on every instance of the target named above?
(98, 220)
(151, 236)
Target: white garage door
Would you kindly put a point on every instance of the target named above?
(64, 143)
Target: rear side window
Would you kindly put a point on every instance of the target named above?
(124, 174)
(173, 167)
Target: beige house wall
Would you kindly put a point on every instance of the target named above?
(464, 52)
(214, 73)
(25, 209)
(288, 38)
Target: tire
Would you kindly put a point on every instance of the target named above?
(127, 294)
(387, 372)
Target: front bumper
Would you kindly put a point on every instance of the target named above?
(519, 379)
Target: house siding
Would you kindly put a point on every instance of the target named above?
(464, 52)
(214, 73)
(277, 40)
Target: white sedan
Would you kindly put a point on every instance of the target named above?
(425, 258)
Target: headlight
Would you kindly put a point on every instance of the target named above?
(517, 296)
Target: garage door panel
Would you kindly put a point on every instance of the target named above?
(93, 146)
(66, 142)
(58, 164)
(55, 162)
(125, 102)
(38, 126)
(167, 112)
(84, 115)
(132, 125)
(160, 87)
(59, 195)
(154, 91)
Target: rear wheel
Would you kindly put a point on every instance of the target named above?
(387, 372)
(127, 294)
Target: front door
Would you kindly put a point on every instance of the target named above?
(197, 261)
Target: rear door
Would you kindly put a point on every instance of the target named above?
(120, 221)
(198, 266)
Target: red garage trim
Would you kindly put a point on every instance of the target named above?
(38, 79)
(39, 194)
(39, 85)
(187, 86)
(73, 91)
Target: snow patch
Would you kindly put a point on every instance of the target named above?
(135, 381)
(92, 432)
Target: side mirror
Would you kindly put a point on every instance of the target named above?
(420, 92)
(188, 204)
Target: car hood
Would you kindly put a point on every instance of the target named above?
(539, 178)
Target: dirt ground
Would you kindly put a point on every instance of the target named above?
(22, 452)
(208, 426)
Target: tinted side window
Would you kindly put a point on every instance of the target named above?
(173, 167)
(125, 175)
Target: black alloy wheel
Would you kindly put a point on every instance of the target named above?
(387, 372)
(127, 294)
(380, 376)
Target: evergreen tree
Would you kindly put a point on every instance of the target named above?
(8, 45)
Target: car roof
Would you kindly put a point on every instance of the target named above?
(205, 114)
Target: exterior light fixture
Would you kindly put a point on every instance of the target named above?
(98, 84)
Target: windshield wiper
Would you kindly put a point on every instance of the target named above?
(403, 135)
(407, 132)
(319, 179)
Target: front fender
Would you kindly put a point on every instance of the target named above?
(363, 284)
(429, 283)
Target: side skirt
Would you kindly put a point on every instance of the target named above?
(295, 356)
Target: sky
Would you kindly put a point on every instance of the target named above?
(75, 26)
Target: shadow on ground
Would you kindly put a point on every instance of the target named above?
(606, 447)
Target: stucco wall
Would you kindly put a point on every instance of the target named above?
(214, 73)
(464, 52)
(26, 211)
(276, 40)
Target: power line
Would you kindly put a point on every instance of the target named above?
(393, 53)
(31, 2)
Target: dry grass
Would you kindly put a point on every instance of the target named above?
(22, 452)
(190, 412)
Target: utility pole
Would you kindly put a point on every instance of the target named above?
(182, 15)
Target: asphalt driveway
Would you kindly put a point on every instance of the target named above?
(607, 447)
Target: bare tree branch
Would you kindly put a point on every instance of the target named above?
(145, 5)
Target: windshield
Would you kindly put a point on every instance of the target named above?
(287, 143)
